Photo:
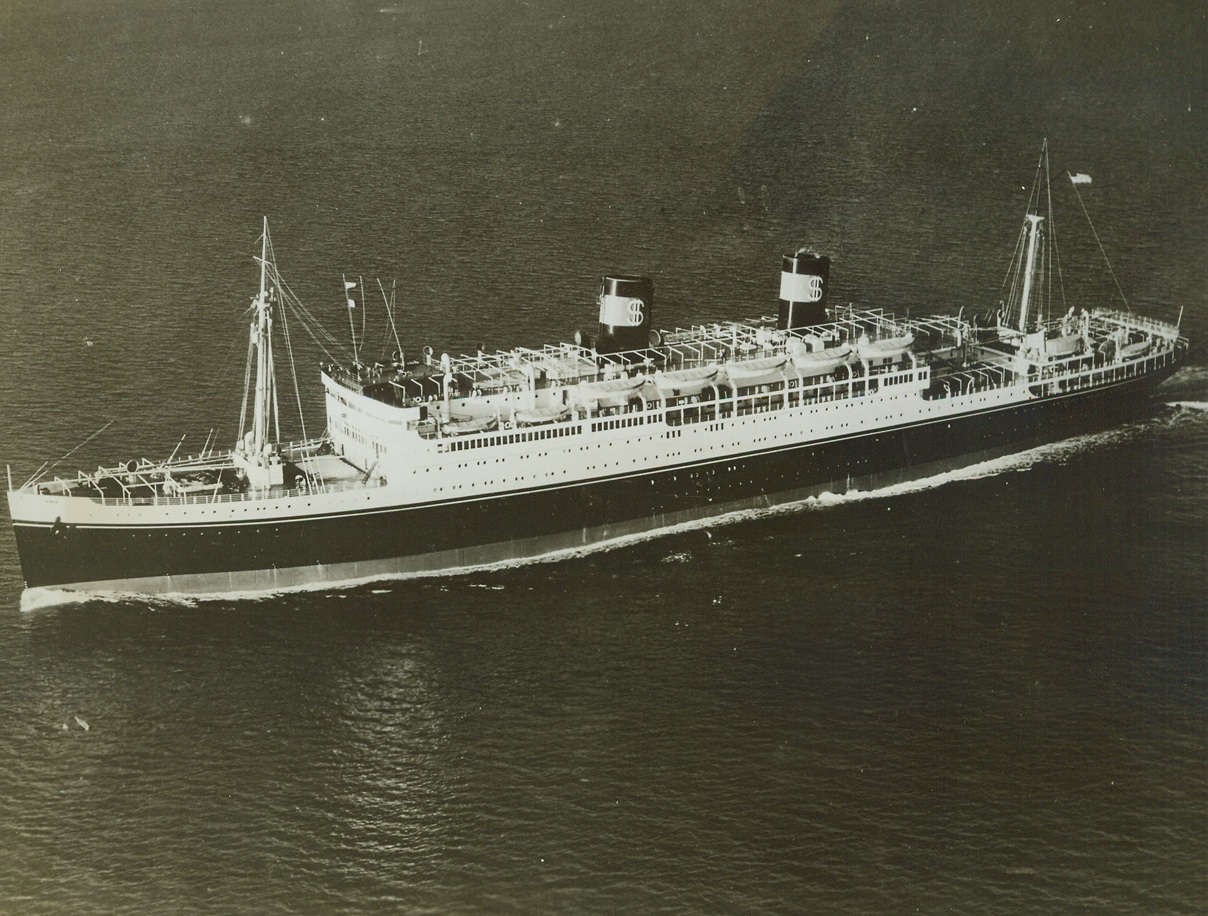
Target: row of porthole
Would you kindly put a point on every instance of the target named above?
(678, 432)
(660, 457)
(717, 426)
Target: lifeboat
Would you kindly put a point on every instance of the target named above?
(751, 372)
(539, 415)
(1134, 350)
(610, 393)
(886, 348)
(821, 362)
(465, 426)
(684, 382)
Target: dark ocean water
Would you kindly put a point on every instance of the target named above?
(982, 693)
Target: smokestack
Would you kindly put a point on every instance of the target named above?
(625, 307)
(803, 282)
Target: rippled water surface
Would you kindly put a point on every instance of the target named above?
(981, 692)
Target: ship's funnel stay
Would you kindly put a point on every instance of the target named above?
(803, 282)
(625, 306)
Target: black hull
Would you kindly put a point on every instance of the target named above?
(458, 534)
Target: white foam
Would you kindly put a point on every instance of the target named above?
(1051, 453)
(1189, 374)
(39, 598)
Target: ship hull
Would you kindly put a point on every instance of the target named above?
(309, 550)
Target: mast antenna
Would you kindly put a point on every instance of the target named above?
(349, 286)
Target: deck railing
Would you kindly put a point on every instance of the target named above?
(211, 498)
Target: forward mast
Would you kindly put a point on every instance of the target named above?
(256, 453)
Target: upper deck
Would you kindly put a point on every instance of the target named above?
(525, 386)
(566, 364)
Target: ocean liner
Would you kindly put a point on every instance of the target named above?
(443, 463)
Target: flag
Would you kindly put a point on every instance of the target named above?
(1080, 178)
(351, 304)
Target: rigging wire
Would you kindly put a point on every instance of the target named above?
(1095, 233)
(268, 244)
(247, 383)
(1056, 248)
(293, 371)
(47, 468)
(216, 385)
(313, 327)
(364, 307)
(390, 314)
(1014, 268)
(276, 401)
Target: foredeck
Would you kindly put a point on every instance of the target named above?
(208, 479)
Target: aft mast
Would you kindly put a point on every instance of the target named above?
(1030, 271)
(256, 452)
(1034, 222)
